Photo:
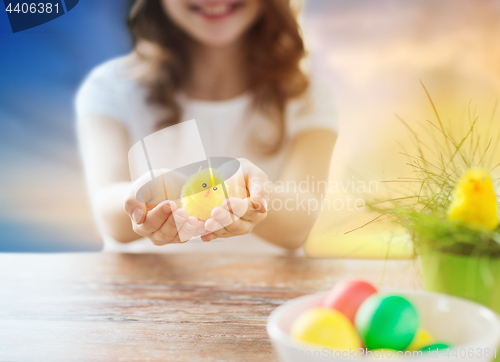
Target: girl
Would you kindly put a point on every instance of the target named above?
(233, 65)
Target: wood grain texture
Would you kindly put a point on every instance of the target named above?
(151, 307)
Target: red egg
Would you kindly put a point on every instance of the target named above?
(347, 296)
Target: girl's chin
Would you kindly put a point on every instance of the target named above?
(218, 41)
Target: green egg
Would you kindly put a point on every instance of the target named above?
(387, 321)
(435, 347)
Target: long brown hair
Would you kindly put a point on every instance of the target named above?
(275, 49)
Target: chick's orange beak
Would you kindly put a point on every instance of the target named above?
(476, 186)
(208, 192)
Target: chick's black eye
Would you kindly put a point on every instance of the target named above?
(215, 188)
(204, 185)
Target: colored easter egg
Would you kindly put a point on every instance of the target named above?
(347, 296)
(436, 347)
(384, 353)
(387, 321)
(422, 339)
(325, 327)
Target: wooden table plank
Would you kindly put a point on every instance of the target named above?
(156, 307)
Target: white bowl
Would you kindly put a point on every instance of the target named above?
(469, 327)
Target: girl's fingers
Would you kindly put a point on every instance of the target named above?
(181, 215)
(238, 206)
(189, 229)
(258, 204)
(245, 215)
(220, 228)
(208, 237)
(159, 241)
(248, 209)
(157, 216)
(222, 233)
(201, 228)
(135, 209)
(167, 233)
(212, 225)
(240, 227)
(223, 216)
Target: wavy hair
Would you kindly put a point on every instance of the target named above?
(274, 51)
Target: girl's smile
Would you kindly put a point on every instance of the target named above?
(216, 10)
(214, 23)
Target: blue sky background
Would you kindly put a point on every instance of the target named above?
(44, 205)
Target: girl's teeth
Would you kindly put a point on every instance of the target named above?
(216, 10)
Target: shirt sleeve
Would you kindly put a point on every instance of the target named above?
(101, 94)
(315, 110)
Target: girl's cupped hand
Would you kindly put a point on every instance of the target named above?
(164, 222)
(240, 214)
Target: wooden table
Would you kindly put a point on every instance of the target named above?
(145, 307)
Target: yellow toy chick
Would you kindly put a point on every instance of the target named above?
(474, 202)
(202, 192)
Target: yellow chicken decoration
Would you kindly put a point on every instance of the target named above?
(202, 192)
(474, 202)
